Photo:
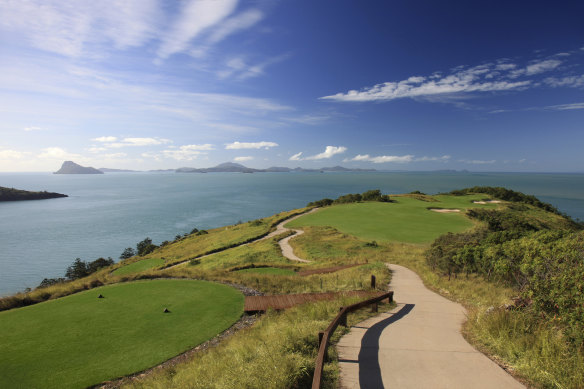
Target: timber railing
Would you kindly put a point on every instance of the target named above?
(341, 319)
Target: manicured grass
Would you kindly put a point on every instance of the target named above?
(408, 220)
(268, 270)
(81, 340)
(139, 266)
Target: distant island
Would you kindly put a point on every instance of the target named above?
(70, 167)
(230, 167)
(11, 194)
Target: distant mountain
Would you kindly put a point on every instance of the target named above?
(70, 167)
(230, 167)
(107, 170)
(11, 194)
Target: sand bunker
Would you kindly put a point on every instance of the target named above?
(487, 202)
(444, 210)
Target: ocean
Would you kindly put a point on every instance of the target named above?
(107, 213)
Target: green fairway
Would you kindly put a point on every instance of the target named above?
(268, 270)
(82, 340)
(408, 220)
(139, 266)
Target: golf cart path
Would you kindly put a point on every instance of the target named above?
(416, 345)
(287, 250)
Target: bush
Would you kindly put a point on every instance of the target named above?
(146, 247)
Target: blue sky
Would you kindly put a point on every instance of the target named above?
(411, 85)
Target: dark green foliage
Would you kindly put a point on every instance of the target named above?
(51, 281)
(201, 232)
(146, 247)
(321, 203)
(80, 269)
(11, 194)
(417, 192)
(370, 195)
(127, 253)
(372, 244)
(194, 230)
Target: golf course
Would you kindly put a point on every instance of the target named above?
(80, 340)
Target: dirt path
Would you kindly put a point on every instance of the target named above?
(416, 345)
(287, 250)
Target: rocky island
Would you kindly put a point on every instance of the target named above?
(70, 167)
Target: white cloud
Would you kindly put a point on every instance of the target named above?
(328, 152)
(443, 158)
(489, 77)
(566, 107)
(76, 28)
(105, 139)
(206, 147)
(569, 81)
(243, 159)
(12, 154)
(296, 157)
(478, 161)
(250, 145)
(128, 142)
(196, 17)
(32, 128)
(384, 158)
(236, 23)
(57, 153)
(115, 155)
(183, 153)
(96, 149)
(542, 66)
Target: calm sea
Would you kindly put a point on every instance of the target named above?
(107, 213)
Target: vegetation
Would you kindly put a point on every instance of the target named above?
(370, 195)
(406, 220)
(81, 340)
(11, 194)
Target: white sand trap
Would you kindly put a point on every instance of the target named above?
(444, 210)
(488, 202)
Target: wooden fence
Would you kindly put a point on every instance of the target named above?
(341, 318)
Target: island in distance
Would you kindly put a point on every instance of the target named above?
(70, 167)
(11, 194)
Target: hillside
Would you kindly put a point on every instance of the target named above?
(483, 255)
(11, 194)
(70, 167)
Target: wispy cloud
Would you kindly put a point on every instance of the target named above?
(195, 17)
(138, 142)
(105, 139)
(243, 159)
(478, 161)
(567, 81)
(12, 154)
(566, 107)
(463, 80)
(32, 128)
(57, 153)
(383, 158)
(250, 145)
(397, 158)
(296, 157)
(328, 152)
(243, 21)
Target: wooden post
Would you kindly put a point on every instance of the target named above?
(372, 281)
(343, 320)
(390, 298)
(320, 336)
(374, 307)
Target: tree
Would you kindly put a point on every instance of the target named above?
(99, 263)
(78, 269)
(127, 253)
(145, 247)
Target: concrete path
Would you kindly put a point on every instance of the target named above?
(416, 345)
(287, 250)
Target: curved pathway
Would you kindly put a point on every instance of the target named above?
(416, 345)
(287, 250)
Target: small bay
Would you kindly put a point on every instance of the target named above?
(106, 213)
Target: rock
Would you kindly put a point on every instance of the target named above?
(100, 296)
(166, 310)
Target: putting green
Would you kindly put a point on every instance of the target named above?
(269, 270)
(408, 220)
(82, 340)
(139, 266)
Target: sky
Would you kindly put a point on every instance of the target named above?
(415, 85)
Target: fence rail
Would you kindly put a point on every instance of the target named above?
(341, 318)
